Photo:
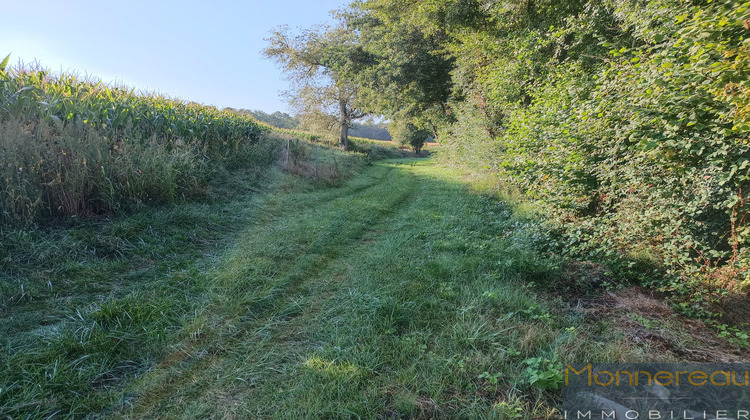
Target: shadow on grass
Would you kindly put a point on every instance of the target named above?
(398, 294)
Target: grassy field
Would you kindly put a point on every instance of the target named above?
(402, 293)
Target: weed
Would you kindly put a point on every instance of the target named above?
(543, 372)
(734, 334)
(490, 378)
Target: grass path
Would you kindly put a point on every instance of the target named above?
(393, 296)
(400, 294)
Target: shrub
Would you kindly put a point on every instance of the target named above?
(645, 152)
(408, 134)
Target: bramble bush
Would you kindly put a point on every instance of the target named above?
(636, 150)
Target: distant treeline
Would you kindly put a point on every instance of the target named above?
(277, 119)
(368, 130)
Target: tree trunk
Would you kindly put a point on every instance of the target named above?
(345, 136)
(344, 122)
(434, 130)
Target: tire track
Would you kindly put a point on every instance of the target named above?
(362, 210)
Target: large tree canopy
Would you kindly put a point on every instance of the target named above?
(323, 64)
(411, 77)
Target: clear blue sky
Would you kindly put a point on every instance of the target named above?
(203, 51)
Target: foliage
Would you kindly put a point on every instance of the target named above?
(626, 123)
(544, 373)
(321, 63)
(409, 76)
(648, 153)
(75, 147)
(408, 134)
(276, 119)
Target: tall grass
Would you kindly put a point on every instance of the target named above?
(378, 149)
(374, 149)
(73, 147)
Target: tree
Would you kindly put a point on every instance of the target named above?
(410, 79)
(323, 64)
(277, 119)
(408, 134)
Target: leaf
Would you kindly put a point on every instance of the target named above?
(56, 120)
(121, 116)
(4, 64)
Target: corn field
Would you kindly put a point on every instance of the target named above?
(71, 147)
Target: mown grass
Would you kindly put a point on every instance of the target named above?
(88, 304)
(398, 295)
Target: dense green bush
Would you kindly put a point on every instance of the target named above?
(634, 143)
(406, 134)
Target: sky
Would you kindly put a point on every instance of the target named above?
(204, 51)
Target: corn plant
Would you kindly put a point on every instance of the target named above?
(72, 146)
